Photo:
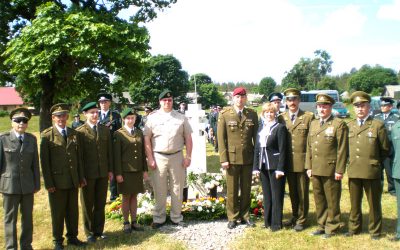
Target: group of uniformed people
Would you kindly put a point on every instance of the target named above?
(317, 150)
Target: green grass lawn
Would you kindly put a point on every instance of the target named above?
(257, 238)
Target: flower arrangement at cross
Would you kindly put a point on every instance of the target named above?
(256, 205)
(209, 180)
(207, 208)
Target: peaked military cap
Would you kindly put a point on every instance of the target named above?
(275, 96)
(386, 100)
(165, 94)
(89, 105)
(20, 113)
(292, 92)
(104, 97)
(324, 99)
(239, 91)
(76, 115)
(126, 112)
(59, 109)
(359, 96)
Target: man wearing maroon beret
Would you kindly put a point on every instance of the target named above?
(237, 130)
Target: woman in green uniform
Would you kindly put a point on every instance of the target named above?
(130, 167)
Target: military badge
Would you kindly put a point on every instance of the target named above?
(329, 131)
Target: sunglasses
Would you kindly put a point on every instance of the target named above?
(19, 120)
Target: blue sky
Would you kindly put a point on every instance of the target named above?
(236, 40)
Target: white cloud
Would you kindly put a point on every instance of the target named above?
(390, 11)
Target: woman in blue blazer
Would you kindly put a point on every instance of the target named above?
(269, 160)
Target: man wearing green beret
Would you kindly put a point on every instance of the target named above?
(20, 179)
(368, 146)
(326, 159)
(166, 133)
(237, 132)
(98, 169)
(62, 170)
(112, 120)
(298, 123)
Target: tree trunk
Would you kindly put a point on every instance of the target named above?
(46, 101)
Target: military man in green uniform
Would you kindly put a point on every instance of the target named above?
(325, 163)
(389, 118)
(112, 120)
(237, 131)
(98, 169)
(63, 174)
(368, 146)
(298, 123)
(19, 178)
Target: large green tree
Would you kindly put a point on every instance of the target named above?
(209, 95)
(199, 78)
(65, 50)
(163, 72)
(307, 73)
(373, 79)
(267, 85)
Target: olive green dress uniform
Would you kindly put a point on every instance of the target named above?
(297, 178)
(368, 147)
(62, 168)
(327, 148)
(396, 170)
(98, 162)
(236, 141)
(20, 178)
(129, 160)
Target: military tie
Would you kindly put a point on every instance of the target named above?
(132, 131)
(64, 134)
(240, 115)
(321, 123)
(20, 139)
(293, 118)
(104, 116)
(95, 130)
(385, 116)
(361, 122)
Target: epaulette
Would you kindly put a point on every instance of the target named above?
(5, 133)
(47, 130)
(225, 109)
(352, 120)
(309, 113)
(397, 115)
(77, 128)
(376, 115)
(282, 114)
(251, 109)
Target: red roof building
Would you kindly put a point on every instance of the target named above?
(9, 99)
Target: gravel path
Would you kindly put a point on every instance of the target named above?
(204, 235)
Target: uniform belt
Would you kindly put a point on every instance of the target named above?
(161, 153)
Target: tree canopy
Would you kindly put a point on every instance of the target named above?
(372, 79)
(162, 72)
(267, 85)
(62, 52)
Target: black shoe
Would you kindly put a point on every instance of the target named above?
(289, 223)
(275, 229)
(349, 234)
(127, 227)
(327, 236)
(91, 239)
(248, 223)
(157, 225)
(136, 227)
(232, 224)
(298, 228)
(76, 242)
(318, 232)
(58, 246)
(101, 236)
(375, 237)
(179, 224)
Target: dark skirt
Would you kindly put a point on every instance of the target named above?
(132, 184)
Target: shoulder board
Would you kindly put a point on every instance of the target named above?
(282, 114)
(309, 113)
(115, 112)
(351, 121)
(397, 115)
(120, 129)
(80, 127)
(225, 109)
(47, 130)
(377, 115)
(5, 133)
(250, 109)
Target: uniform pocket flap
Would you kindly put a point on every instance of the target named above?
(232, 149)
(374, 162)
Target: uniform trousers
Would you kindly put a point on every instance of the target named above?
(397, 186)
(238, 178)
(327, 193)
(387, 164)
(113, 189)
(64, 207)
(169, 171)
(273, 195)
(299, 185)
(373, 191)
(93, 200)
(11, 202)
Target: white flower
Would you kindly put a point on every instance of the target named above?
(218, 177)
(199, 209)
(219, 189)
(213, 210)
(260, 197)
(207, 211)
